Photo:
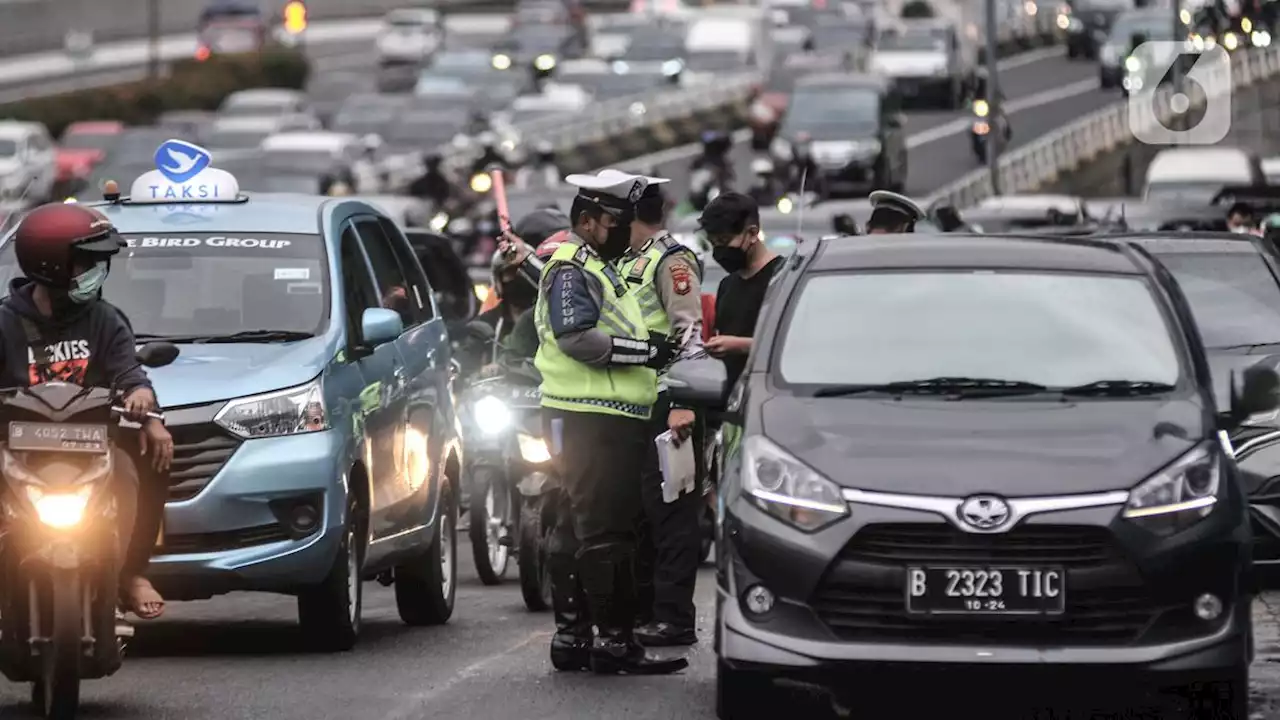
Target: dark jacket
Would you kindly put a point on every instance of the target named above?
(90, 346)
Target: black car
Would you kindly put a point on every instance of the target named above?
(1233, 285)
(1088, 24)
(984, 461)
(854, 128)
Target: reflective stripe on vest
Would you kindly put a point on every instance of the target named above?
(571, 385)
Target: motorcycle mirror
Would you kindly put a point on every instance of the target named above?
(157, 354)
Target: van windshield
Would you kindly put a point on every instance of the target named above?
(933, 324)
(204, 284)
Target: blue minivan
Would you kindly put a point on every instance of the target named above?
(311, 405)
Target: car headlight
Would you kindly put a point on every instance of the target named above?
(533, 449)
(780, 149)
(284, 412)
(1132, 64)
(544, 62)
(672, 67)
(491, 415)
(1178, 496)
(789, 490)
(501, 62)
(61, 510)
(1230, 41)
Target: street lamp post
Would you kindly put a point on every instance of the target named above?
(995, 135)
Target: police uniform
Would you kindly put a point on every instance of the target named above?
(598, 390)
(890, 211)
(666, 278)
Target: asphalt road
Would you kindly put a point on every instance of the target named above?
(241, 657)
(1043, 91)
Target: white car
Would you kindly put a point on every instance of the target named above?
(264, 102)
(27, 165)
(1197, 174)
(409, 36)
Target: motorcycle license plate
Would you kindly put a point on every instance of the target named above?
(65, 437)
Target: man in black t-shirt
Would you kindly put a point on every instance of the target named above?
(732, 226)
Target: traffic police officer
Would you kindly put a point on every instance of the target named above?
(664, 275)
(599, 385)
(892, 213)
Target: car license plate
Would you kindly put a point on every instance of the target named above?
(66, 437)
(986, 590)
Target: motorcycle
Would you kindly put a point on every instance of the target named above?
(508, 475)
(764, 183)
(982, 127)
(705, 184)
(59, 552)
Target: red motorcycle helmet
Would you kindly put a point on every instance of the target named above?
(548, 247)
(51, 238)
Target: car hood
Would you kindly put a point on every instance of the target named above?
(908, 62)
(208, 373)
(1225, 365)
(1012, 447)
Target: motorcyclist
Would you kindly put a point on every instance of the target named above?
(433, 184)
(1240, 218)
(368, 179)
(522, 341)
(541, 171)
(55, 326)
(716, 145)
(490, 153)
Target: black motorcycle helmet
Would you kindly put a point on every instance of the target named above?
(544, 153)
(716, 142)
(540, 225)
(432, 160)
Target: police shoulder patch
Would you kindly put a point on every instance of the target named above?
(636, 273)
(583, 254)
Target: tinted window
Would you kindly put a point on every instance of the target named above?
(855, 328)
(419, 289)
(857, 109)
(359, 293)
(1233, 296)
(206, 284)
(392, 286)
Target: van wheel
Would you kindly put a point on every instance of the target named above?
(426, 585)
(1222, 699)
(741, 694)
(330, 612)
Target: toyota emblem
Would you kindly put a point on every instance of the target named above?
(984, 512)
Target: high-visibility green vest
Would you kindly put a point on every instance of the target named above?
(571, 385)
(639, 270)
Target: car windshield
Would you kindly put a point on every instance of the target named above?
(306, 161)
(932, 324)
(1199, 192)
(469, 63)
(8, 148)
(811, 108)
(1233, 295)
(536, 38)
(912, 41)
(90, 141)
(1154, 27)
(837, 35)
(651, 45)
(254, 107)
(206, 284)
(716, 61)
(431, 83)
(236, 139)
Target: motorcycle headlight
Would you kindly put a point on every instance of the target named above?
(789, 490)
(981, 108)
(481, 183)
(284, 412)
(533, 449)
(491, 415)
(61, 510)
(1179, 496)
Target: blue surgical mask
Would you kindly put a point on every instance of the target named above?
(86, 286)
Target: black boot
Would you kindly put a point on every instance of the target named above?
(571, 645)
(608, 578)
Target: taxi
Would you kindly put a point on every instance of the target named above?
(316, 444)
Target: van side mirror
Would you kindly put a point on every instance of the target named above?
(1259, 393)
(379, 326)
(698, 381)
(157, 354)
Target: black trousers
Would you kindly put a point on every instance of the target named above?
(670, 548)
(152, 492)
(599, 459)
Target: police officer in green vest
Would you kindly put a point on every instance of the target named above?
(665, 276)
(599, 384)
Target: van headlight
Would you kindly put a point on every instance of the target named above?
(533, 449)
(788, 489)
(284, 412)
(491, 415)
(1178, 496)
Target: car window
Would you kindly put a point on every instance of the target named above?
(1233, 296)
(359, 292)
(8, 148)
(419, 288)
(392, 285)
(881, 327)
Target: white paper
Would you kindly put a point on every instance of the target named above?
(293, 274)
(679, 469)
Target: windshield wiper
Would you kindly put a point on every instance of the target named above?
(1118, 388)
(960, 386)
(1245, 346)
(243, 336)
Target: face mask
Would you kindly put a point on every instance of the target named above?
(1240, 229)
(86, 286)
(732, 259)
(518, 293)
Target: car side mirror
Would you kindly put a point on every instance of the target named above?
(1259, 393)
(698, 381)
(379, 326)
(157, 354)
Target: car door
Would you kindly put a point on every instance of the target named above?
(393, 482)
(377, 368)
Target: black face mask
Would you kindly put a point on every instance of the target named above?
(519, 294)
(732, 259)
